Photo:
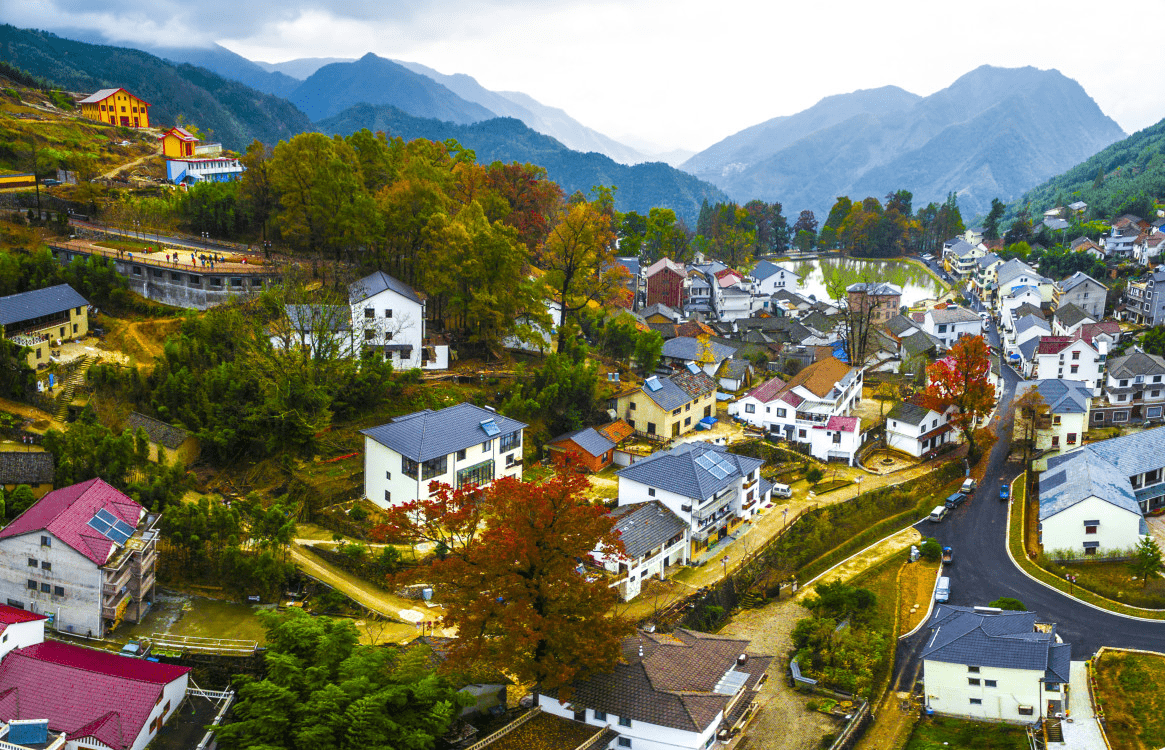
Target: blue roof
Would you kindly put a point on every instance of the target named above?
(40, 302)
(961, 635)
(1074, 477)
(679, 470)
(429, 434)
(1061, 396)
(1133, 454)
(766, 268)
(377, 282)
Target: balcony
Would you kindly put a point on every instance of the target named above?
(705, 512)
(115, 579)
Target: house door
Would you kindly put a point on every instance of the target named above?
(1053, 708)
(722, 533)
(125, 122)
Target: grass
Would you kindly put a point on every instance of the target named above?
(882, 580)
(1128, 687)
(945, 733)
(130, 246)
(1016, 546)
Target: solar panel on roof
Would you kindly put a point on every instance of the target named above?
(491, 427)
(693, 368)
(704, 461)
(106, 516)
(124, 528)
(718, 472)
(652, 384)
(111, 527)
(99, 526)
(117, 537)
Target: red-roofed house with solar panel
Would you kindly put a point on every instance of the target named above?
(84, 556)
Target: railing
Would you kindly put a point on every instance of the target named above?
(167, 641)
(506, 729)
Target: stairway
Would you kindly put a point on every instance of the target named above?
(77, 371)
(1053, 732)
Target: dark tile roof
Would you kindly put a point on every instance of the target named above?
(767, 268)
(26, 467)
(159, 432)
(691, 348)
(961, 635)
(1077, 279)
(908, 413)
(900, 324)
(920, 342)
(670, 680)
(1078, 475)
(644, 526)
(1135, 363)
(677, 470)
(428, 434)
(40, 302)
(1027, 310)
(375, 283)
(1069, 315)
(694, 384)
(734, 369)
(588, 438)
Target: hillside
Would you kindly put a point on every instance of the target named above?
(1131, 168)
(236, 114)
(994, 132)
(641, 187)
(375, 80)
(219, 59)
(301, 67)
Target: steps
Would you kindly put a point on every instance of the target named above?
(1053, 732)
(77, 370)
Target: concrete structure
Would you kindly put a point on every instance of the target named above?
(949, 323)
(32, 468)
(654, 539)
(836, 440)
(41, 318)
(673, 691)
(116, 107)
(182, 284)
(461, 446)
(85, 555)
(1081, 290)
(1132, 392)
(668, 407)
(1066, 358)
(770, 278)
(711, 490)
(1144, 300)
(883, 298)
(789, 411)
(988, 664)
(204, 169)
(917, 430)
(665, 283)
(1062, 428)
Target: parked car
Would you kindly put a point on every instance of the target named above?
(938, 514)
(968, 486)
(942, 591)
(955, 500)
(782, 490)
(1005, 492)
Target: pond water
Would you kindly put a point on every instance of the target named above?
(819, 274)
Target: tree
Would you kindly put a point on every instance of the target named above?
(962, 379)
(1147, 560)
(885, 392)
(814, 475)
(930, 550)
(991, 223)
(1008, 603)
(20, 500)
(256, 191)
(858, 316)
(448, 519)
(806, 222)
(514, 594)
(1030, 408)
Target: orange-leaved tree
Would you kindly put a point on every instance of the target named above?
(513, 589)
(962, 379)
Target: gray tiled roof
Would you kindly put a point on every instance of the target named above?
(988, 260)
(631, 264)
(669, 396)
(876, 288)
(766, 268)
(1013, 269)
(734, 369)
(900, 324)
(377, 282)
(1027, 309)
(1074, 477)
(1028, 348)
(159, 432)
(644, 526)
(660, 308)
(39, 302)
(689, 348)
(952, 315)
(1006, 640)
(676, 470)
(1133, 454)
(961, 248)
(1076, 280)
(428, 434)
(1135, 363)
(26, 467)
(1069, 315)
(588, 439)
(1061, 396)
(908, 413)
(1031, 321)
(920, 342)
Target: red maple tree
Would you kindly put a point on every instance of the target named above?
(962, 379)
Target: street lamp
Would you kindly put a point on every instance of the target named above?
(206, 241)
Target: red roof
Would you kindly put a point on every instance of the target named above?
(845, 424)
(1054, 344)
(792, 399)
(181, 134)
(13, 615)
(82, 691)
(1090, 330)
(65, 513)
(766, 391)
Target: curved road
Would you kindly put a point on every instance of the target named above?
(983, 571)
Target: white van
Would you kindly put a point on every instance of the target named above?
(942, 591)
(938, 514)
(782, 490)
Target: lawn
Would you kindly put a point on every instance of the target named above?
(944, 733)
(130, 245)
(1129, 689)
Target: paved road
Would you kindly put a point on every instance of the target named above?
(983, 571)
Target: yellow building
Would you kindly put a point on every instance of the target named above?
(42, 317)
(179, 143)
(116, 107)
(669, 407)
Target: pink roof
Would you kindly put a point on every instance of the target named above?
(13, 615)
(792, 399)
(65, 513)
(1090, 330)
(82, 691)
(766, 391)
(181, 134)
(1054, 344)
(728, 277)
(844, 424)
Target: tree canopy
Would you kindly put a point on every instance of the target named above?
(962, 379)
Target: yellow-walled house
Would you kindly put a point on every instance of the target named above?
(179, 143)
(666, 408)
(116, 107)
(42, 317)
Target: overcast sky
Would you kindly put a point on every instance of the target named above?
(674, 73)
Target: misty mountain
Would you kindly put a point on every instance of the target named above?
(995, 132)
(640, 187)
(375, 80)
(219, 59)
(302, 67)
(234, 113)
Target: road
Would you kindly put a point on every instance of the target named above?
(983, 571)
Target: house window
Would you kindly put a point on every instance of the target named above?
(781, 413)
(687, 422)
(46, 565)
(707, 411)
(32, 584)
(624, 742)
(369, 313)
(369, 334)
(388, 313)
(973, 670)
(801, 434)
(651, 492)
(15, 603)
(486, 446)
(32, 563)
(461, 454)
(976, 701)
(1090, 529)
(1074, 369)
(989, 683)
(1026, 711)
(58, 590)
(1098, 417)
(1052, 687)
(580, 715)
(632, 406)
(511, 441)
(624, 721)
(408, 466)
(651, 428)
(434, 467)
(1120, 416)
(388, 475)
(750, 408)
(972, 680)
(1153, 411)
(1075, 355)
(1090, 551)
(675, 412)
(1071, 438)
(480, 474)
(46, 541)
(46, 588)
(387, 496)
(600, 715)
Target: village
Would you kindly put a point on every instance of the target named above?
(804, 500)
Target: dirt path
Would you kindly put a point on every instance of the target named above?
(864, 560)
(112, 174)
(42, 420)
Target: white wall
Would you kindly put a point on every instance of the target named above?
(643, 736)
(1119, 529)
(79, 608)
(948, 691)
(821, 443)
(172, 695)
(21, 634)
(406, 326)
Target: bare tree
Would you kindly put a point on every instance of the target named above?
(859, 310)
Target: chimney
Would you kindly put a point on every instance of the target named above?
(742, 660)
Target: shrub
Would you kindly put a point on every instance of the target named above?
(930, 549)
(1008, 602)
(814, 475)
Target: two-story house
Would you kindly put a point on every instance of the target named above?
(989, 664)
(40, 318)
(460, 446)
(1015, 274)
(665, 283)
(1144, 300)
(389, 317)
(675, 691)
(667, 407)
(983, 280)
(1147, 249)
(116, 107)
(1133, 390)
(85, 554)
(882, 298)
(960, 258)
(1022, 301)
(702, 350)
(1068, 319)
(917, 430)
(948, 323)
(788, 411)
(708, 488)
(770, 278)
(1081, 290)
(654, 539)
(1063, 426)
(1069, 358)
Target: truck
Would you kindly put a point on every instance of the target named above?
(1004, 492)
(948, 556)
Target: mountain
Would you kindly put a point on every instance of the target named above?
(219, 59)
(236, 114)
(302, 67)
(994, 132)
(375, 80)
(1128, 169)
(640, 187)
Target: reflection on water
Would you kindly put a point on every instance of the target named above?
(821, 274)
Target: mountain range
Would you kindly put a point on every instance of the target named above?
(994, 132)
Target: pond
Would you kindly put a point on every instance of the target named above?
(817, 275)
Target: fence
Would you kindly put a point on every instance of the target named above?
(506, 729)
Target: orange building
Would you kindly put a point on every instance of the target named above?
(116, 107)
(591, 449)
(179, 143)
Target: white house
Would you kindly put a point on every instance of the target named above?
(827, 388)
(1066, 421)
(949, 323)
(1133, 390)
(654, 538)
(1093, 499)
(989, 664)
(770, 278)
(711, 490)
(1067, 358)
(1068, 319)
(836, 440)
(1015, 273)
(675, 691)
(1015, 305)
(917, 430)
(19, 628)
(459, 446)
(389, 316)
